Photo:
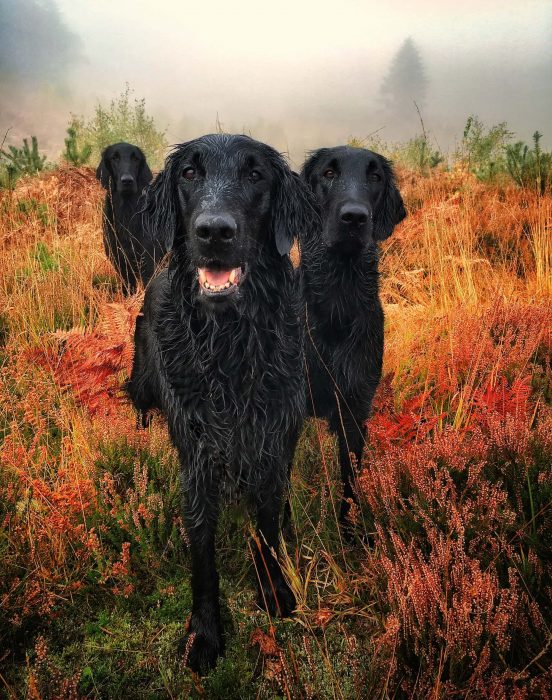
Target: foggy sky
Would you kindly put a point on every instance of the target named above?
(297, 73)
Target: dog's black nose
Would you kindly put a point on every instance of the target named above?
(212, 228)
(354, 215)
(127, 180)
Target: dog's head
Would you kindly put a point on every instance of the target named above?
(123, 168)
(359, 200)
(223, 203)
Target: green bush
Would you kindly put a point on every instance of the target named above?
(530, 168)
(483, 150)
(418, 154)
(76, 153)
(16, 162)
(122, 120)
(415, 154)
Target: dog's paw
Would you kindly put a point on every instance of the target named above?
(276, 598)
(202, 646)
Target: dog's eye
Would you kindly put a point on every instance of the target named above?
(189, 173)
(116, 156)
(255, 176)
(329, 174)
(374, 177)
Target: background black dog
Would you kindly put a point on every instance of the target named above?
(360, 206)
(219, 349)
(124, 173)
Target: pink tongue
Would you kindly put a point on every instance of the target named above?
(217, 277)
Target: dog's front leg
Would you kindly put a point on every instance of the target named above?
(275, 596)
(204, 642)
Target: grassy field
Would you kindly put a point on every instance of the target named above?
(452, 599)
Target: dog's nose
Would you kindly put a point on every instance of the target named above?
(127, 180)
(212, 228)
(354, 215)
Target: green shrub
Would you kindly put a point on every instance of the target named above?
(418, 154)
(415, 154)
(483, 150)
(16, 162)
(121, 120)
(76, 153)
(530, 168)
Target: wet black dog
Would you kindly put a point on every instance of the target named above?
(219, 350)
(360, 206)
(124, 172)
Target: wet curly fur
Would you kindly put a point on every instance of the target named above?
(228, 376)
(360, 206)
(124, 173)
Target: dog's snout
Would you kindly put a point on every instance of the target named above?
(354, 215)
(212, 228)
(127, 179)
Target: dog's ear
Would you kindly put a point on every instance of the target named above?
(310, 163)
(145, 175)
(295, 211)
(391, 211)
(160, 210)
(103, 171)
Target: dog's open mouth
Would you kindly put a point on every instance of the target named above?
(218, 282)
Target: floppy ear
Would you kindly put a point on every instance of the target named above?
(391, 211)
(103, 172)
(145, 175)
(294, 213)
(160, 210)
(309, 164)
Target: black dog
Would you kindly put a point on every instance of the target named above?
(360, 206)
(124, 173)
(219, 350)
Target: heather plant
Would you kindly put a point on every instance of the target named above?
(461, 516)
(139, 493)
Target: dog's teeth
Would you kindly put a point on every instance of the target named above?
(207, 285)
(232, 276)
(227, 285)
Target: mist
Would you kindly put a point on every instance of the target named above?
(298, 75)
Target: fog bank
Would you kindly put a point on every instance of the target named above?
(298, 75)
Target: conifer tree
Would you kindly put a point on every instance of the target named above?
(406, 82)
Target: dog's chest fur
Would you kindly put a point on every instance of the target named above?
(235, 378)
(344, 320)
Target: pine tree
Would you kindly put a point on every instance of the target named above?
(73, 153)
(22, 161)
(406, 82)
